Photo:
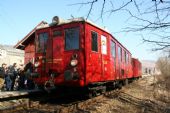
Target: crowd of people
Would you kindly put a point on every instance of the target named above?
(17, 78)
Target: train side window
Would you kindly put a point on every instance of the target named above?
(72, 38)
(127, 57)
(57, 33)
(113, 49)
(119, 53)
(94, 41)
(124, 56)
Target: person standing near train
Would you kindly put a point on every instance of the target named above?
(28, 69)
(7, 78)
(3, 75)
(13, 70)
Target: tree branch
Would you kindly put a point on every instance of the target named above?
(152, 16)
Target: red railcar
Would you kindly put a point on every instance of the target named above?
(137, 67)
(78, 53)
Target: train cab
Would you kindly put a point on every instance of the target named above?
(78, 53)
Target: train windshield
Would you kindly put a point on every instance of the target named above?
(72, 38)
(41, 43)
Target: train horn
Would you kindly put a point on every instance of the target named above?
(57, 20)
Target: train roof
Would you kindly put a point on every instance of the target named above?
(80, 19)
(58, 21)
(62, 21)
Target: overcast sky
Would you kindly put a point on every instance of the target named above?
(18, 17)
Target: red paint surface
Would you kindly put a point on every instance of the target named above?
(92, 66)
(136, 68)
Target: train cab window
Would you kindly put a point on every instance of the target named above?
(94, 41)
(72, 38)
(119, 53)
(41, 42)
(113, 49)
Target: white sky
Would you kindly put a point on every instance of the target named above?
(18, 17)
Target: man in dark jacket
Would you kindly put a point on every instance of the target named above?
(29, 84)
(28, 67)
(13, 76)
(6, 75)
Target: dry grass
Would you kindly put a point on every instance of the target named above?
(147, 95)
(141, 96)
(1, 83)
(162, 85)
(163, 64)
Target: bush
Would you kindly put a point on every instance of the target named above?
(163, 64)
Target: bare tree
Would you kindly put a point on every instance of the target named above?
(152, 17)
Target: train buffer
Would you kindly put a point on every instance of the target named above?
(9, 95)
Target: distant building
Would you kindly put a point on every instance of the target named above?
(149, 67)
(10, 55)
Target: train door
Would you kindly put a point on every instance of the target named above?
(95, 57)
(113, 59)
(125, 63)
(119, 75)
(105, 59)
(58, 50)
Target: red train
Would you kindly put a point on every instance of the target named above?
(76, 53)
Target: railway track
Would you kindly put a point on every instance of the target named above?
(146, 104)
(30, 100)
(10, 100)
(46, 102)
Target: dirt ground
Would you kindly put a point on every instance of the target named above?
(145, 95)
(142, 96)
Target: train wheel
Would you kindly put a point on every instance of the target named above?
(120, 85)
(103, 90)
(91, 94)
(40, 87)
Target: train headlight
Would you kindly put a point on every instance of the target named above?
(36, 64)
(74, 62)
